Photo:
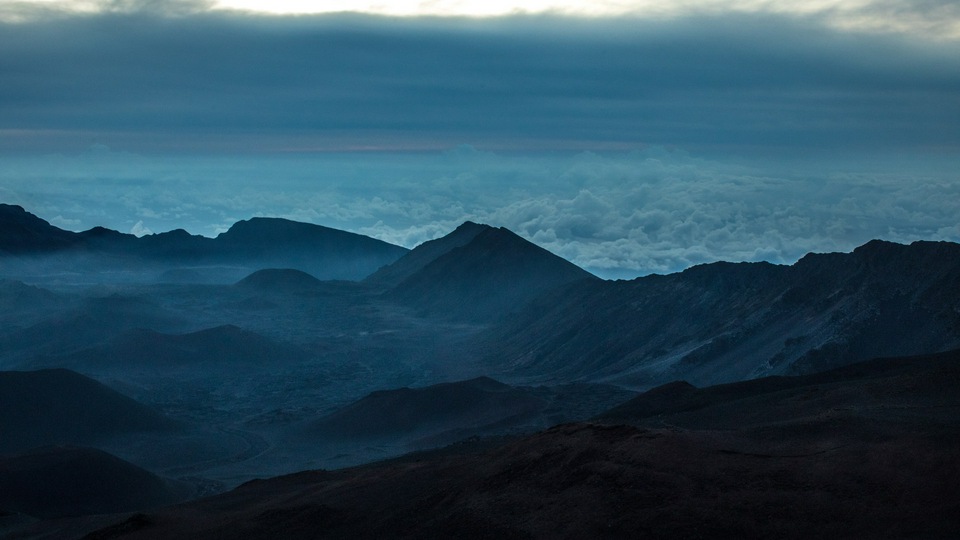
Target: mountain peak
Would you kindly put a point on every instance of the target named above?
(422, 255)
(479, 272)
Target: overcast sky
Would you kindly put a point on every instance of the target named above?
(629, 137)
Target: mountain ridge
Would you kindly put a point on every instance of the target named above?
(260, 242)
(721, 322)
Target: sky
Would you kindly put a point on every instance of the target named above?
(629, 136)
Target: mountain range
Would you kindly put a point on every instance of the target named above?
(724, 322)
(251, 244)
(747, 400)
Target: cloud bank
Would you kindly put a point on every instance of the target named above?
(203, 83)
(620, 215)
(627, 145)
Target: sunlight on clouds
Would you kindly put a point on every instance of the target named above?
(937, 19)
(930, 18)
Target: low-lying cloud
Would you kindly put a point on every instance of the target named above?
(618, 214)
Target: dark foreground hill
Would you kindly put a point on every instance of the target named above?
(248, 245)
(411, 413)
(477, 273)
(725, 322)
(60, 481)
(869, 452)
(58, 406)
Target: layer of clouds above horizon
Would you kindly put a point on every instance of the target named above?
(628, 146)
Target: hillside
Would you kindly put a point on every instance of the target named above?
(62, 481)
(416, 413)
(58, 406)
(419, 257)
(725, 322)
(836, 465)
(482, 275)
(22, 233)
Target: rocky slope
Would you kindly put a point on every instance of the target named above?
(864, 452)
(477, 273)
(725, 322)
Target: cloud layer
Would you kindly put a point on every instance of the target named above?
(619, 215)
(629, 145)
(203, 83)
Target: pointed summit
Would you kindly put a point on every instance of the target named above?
(483, 274)
(422, 255)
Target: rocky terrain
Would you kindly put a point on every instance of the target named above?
(731, 399)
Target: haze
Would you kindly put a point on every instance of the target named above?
(626, 137)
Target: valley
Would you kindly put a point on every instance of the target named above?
(467, 343)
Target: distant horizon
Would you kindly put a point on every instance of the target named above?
(643, 142)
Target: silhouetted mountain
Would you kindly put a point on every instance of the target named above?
(484, 274)
(318, 250)
(24, 233)
(222, 347)
(865, 453)
(59, 406)
(409, 413)
(58, 481)
(252, 244)
(419, 257)
(280, 280)
(724, 322)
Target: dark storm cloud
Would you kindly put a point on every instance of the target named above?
(206, 82)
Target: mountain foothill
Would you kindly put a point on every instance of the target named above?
(285, 379)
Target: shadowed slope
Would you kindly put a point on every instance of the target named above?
(493, 274)
(419, 257)
(885, 388)
(724, 322)
(868, 465)
(420, 412)
(57, 481)
(58, 406)
(24, 233)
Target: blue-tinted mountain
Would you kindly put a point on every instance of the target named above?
(317, 250)
(725, 322)
(58, 406)
(280, 280)
(251, 244)
(419, 257)
(477, 273)
(24, 233)
(64, 481)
